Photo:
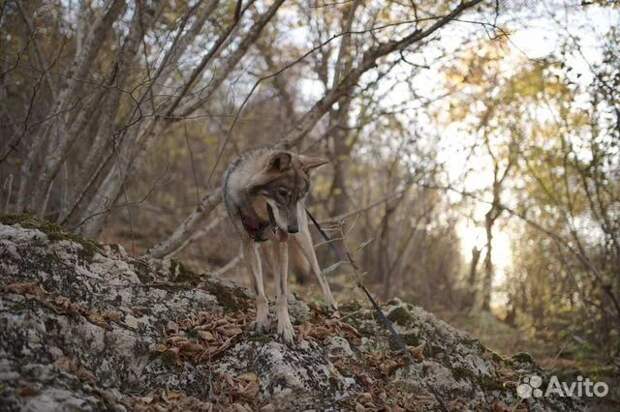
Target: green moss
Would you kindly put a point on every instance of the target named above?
(143, 271)
(169, 358)
(522, 357)
(400, 315)
(461, 373)
(602, 371)
(260, 338)
(192, 333)
(180, 273)
(496, 357)
(490, 384)
(230, 298)
(53, 231)
(348, 307)
(411, 338)
(484, 381)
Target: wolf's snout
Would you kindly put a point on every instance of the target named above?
(293, 228)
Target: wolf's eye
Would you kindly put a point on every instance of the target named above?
(283, 192)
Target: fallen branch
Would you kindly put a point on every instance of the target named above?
(186, 229)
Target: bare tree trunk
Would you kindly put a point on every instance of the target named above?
(233, 60)
(384, 251)
(487, 281)
(472, 279)
(340, 155)
(280, 85)
(340, 119)
(134, 144)
(98, 156)
(31, 194)
(202, 14)
(347, 82)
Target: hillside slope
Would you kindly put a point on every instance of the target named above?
(86, 327)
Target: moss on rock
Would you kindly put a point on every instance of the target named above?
(53, 231)
(231, 298)
(523, 357)
(180, 273)
(400, 315)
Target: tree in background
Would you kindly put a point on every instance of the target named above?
(551, 140)
(140, 70)
(128, 112)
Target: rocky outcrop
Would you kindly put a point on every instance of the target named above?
(85, 327)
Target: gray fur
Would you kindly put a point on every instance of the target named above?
(276, 182)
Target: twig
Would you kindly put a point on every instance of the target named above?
(358, 281)
(380, 315)
(231, 264)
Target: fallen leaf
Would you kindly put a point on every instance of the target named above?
(229, 332)
(206, 335)
(499, 406)
(160, 347)
(365, 397)
(250, 390)
(268, 408)
(26, 391)
(191, 347)
(146, 399)
(238, 407)
(249, 376)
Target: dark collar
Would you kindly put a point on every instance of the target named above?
(256, 227)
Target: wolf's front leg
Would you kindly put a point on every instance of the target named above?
(280, 254)
(304, 243)
(255, 269)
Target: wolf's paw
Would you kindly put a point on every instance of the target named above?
(286, 331)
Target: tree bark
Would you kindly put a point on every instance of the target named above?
(350, 80)
(67, 97)
(472, 278)
(487, 281)
(139, 139)
(323, 105)
(231, 62)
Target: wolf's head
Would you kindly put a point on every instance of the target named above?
(282, 182)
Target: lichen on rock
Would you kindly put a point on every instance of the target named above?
(85, 326)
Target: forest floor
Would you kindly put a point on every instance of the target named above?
(87, 326)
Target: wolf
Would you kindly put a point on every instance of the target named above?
(264, 192)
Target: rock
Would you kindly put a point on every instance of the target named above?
(86, 327)
(338, 346)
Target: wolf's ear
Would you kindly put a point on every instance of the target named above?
(280, 161)
(276, 163)
(308, 162)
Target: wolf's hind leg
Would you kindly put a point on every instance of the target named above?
(255, 270)
(280, 269)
